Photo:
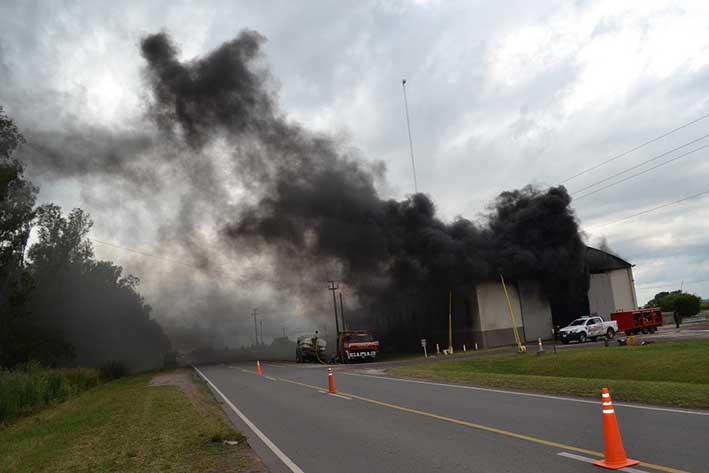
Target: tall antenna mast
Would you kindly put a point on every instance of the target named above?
(408, 126)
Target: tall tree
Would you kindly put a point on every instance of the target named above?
(94, 305)
(22, 337)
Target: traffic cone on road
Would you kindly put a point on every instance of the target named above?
(258, 368)
(614, 457)
(330, 382)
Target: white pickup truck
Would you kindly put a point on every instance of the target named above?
(588, 328)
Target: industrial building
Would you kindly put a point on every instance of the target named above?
(488, 323)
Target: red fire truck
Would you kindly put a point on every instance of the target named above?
(635, 321)
(358, 345)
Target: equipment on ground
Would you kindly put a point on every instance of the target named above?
(358, 345)
(310, 349)
(588, 328)
(633, 322)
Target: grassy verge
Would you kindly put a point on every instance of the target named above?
(31, 387)
(673, 373)
(432, 354)
(126, 426)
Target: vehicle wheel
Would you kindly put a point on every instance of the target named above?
(565, 342)
(644, 330)
(582, 337)
(628, 333)
(653, 329)
(610, 334)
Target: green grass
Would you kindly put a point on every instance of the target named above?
(432, 354)
(124, 426)
(673, 373)
(31, 387)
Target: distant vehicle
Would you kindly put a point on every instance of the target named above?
(636, 321)
(358, 345)
(310, 349)
(586, 328)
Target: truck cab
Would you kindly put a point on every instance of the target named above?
(588, 327)
(358, 345)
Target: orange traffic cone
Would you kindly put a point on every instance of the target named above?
(330, 382)
(614, 457)
(258, 367)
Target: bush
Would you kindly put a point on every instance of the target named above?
(30, 386)
(112, 370)
(684, 304)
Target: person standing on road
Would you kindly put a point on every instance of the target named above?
(677, 318)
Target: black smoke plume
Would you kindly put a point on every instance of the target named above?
(305, 205)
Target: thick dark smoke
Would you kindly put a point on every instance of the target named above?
(306, 207)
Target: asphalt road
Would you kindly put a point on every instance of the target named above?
(382, 424)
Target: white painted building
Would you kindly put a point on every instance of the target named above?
(611, 288)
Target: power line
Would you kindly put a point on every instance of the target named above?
(625, 153)
(641, 173)
(693, 196)
(698, 281)
(143, 253)
(655, 158)
(205, 271)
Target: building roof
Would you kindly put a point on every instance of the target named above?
(599, 261)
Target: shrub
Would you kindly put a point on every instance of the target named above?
(30, 386)
(684, 304)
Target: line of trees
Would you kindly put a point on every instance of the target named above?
(59, 305)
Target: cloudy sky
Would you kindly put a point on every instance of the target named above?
(501, 94)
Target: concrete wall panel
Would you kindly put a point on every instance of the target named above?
(623, 289)
(492, 306)
(600, 296)
(536, 311)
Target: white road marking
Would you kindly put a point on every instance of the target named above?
(276, 451)
(573, 456)
(515, 393)
(244, 371)
(272, 379)
(323, 392)
(340, 395)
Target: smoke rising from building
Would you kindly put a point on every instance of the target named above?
(289, 208)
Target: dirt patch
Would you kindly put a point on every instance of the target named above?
(181, 378)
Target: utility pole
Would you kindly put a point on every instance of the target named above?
(254, 313)
(408, 127)
(450, 322)
(342, 314)
(261, 324)
(333, 286)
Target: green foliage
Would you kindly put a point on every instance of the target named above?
(705, 305)
(684, 304)
(60, 305)
(95, 306)
(30, 387)
(127, 426)
(10, 136)
(655, 301)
